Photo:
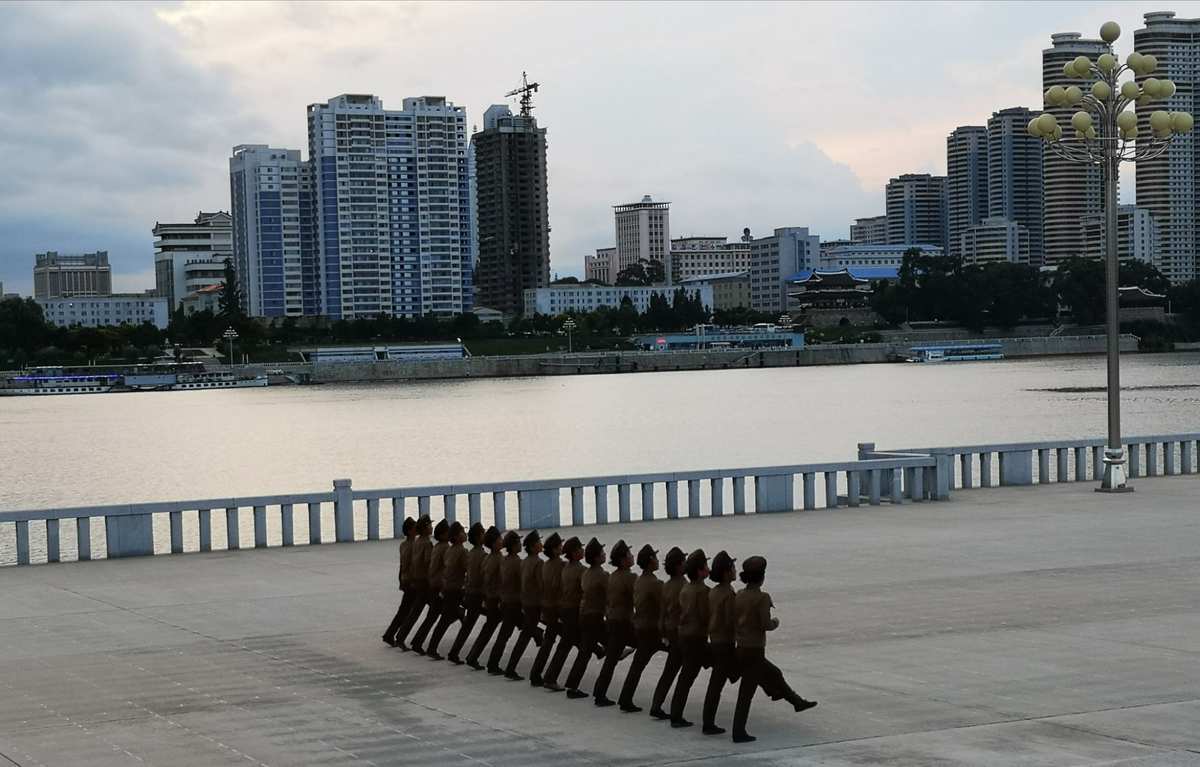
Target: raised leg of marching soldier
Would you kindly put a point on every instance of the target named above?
(568, 626)
(510, 620)
(620, 636)
(420, 598)
(451, 611)
(669, 629)
(693, 633)
(473, 608)
(493, 619)
(591, 631)
(551, 635)
(406, 606)
(648, 643)
(531, 618)
(723, 665)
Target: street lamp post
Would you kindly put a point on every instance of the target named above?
(569, 326)
(1106, 134)
(230, 335)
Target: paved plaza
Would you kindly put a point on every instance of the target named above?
(1017, 626)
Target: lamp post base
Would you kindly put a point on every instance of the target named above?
(1114, 478)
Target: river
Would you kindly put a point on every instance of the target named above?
(123, 448)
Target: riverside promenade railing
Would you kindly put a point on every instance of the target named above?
(347, 514)
(1029, 463)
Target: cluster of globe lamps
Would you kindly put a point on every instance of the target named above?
(1108, 98)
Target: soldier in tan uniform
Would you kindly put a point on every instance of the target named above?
(647, 617)
(722, 626)
(531, 602)
(422, 548)
(753, 608)
(454, 578)
(618, 619)
(405, 574)
(491, 595)
(510, 600)
(472, 591)
(669, 628)
(569, 596)
(551, 577)
(693, 632)
(592, 605)
(437, 563)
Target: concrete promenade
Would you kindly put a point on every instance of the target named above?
(1034, 625)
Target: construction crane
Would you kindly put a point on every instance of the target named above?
(526, 92)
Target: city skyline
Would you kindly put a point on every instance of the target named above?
(104, 159)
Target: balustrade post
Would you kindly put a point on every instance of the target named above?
(1169, 466)
(1043, 466)
(204, 519)
(499, 510)
(176, 532)
(693, 497)
(1187, 456)
(716, 492)
(314, 523)
(916, 478)
(1151, 459)
(672, 500)
(343, 511)
(985, 470)
(831, 490)
(601, 493)
(1097, 462)
(853, 488)
(623, 513)
(739, 495)
(233, 532)
(287, 525)
(52, 549)
(372, 519)
(83, 538)
(943, 476)
(450, 508)
(1134, 460)
(897, 486)
(647, 501)
(874, 481)
(810, 491)
(398, 517)
(474, 508)
(260, 527)
(965, 461)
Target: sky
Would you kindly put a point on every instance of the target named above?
(757, 115)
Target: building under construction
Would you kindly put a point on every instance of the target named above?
(513, 207)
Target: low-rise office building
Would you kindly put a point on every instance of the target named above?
(584, 297)
(104, 311)
(698, 256)
(731, 290)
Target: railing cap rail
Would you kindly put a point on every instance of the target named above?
(1010, 447)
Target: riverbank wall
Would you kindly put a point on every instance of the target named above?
(583, 363)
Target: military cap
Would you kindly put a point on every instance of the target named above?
(442, 528)
(721, 563)
(408, 525)
(553, 543)
(674, 559)
(512, 539)
(754, 566)
(491, 536)
(695, 562)
(573, 544)
(593, 549)
(456, 529)
(532, 537)
(475, 533)
(619, 551)
(645, 554)
(424, 523)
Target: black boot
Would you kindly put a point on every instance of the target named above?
(743, 737)
(712, 729)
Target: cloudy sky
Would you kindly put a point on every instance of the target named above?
(750, 114)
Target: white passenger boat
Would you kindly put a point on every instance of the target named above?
(45, 385)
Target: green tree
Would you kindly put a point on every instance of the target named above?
(642, 273)
(230, 300)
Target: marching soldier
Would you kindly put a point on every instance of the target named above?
(531, 602)
(753, 608)
(722, 626)
(693, 632)
(510, 600)
(647, 617)
(618, 619)
(437, 563)
(454, 577)
(569, 596)
(551, 577)
(669, 628)
(472, 591)
(405, 573)
(491, 595)
(422, 549)
(594, 583)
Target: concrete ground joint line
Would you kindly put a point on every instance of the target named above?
(9, 759)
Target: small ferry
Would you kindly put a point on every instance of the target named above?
(42, 385)
(956, 353)
(150, 380)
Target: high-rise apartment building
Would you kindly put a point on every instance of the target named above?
(1138, 235)
(1169, 185)
(191, 256)
(916, 209)
(776, 259)
(65, 275)
(513, 209)
(1071, 190)
(392, 206)
(267, 191)
(869, 231)
(994, 240)
(966, 182)
(1015, 175)
(643, 234)
(703, 256)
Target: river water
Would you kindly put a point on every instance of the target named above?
(124, 448)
